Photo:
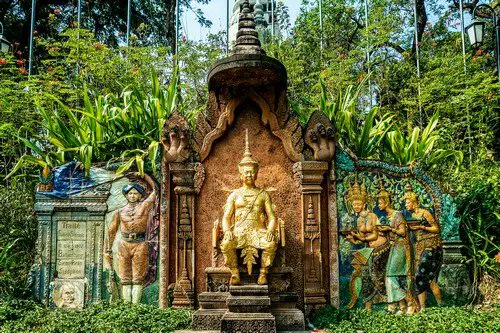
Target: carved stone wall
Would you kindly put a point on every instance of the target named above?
(70, 248)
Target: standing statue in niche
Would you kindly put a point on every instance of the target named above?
(132, 219)
(428, 249)
(398, 270)
(370, 262)
(249, 223)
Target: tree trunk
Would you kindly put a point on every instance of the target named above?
(421, 23)
(170, 29)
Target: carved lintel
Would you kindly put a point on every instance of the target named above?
(320, 136)
(310, 176)
(290, 133)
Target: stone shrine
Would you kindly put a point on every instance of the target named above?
(255, 221)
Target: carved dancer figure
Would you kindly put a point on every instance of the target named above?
(428, 249)
(370, 262)
(398, 270)
(132, 219)
(249, 223)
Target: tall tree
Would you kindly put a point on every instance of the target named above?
(153, 21)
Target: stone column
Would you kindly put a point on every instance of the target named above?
(310, 176)
(333, 238)
(186, 184)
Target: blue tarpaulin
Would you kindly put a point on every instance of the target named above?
(69, 180)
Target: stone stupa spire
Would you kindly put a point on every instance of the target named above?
(247, 38)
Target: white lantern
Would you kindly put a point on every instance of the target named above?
(4, 44)
(475, 31)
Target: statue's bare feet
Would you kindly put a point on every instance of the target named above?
(262, 279)
(235, 278)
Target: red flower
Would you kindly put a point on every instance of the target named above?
(479, 52)
(20, 62)
(23, 70)
(19, 53)
(98, 46)
(57, 11)
(3, 61)
(35, 33)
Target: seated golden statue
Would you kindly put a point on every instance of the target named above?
(249, 223)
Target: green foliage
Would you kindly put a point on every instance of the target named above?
(98, 104)
(27, 316)
(106, 129)
(478, 208)
(444, 319)
(421, 145)
(18, 232)
(364, 135)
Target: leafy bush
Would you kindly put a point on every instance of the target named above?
(18, 232)
(27, 316)
(478, 207)
(445, 319)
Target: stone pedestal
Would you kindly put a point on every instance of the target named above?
(454, 277)
(70, 247)
(249, 307)
(245, 303)
(212, 307)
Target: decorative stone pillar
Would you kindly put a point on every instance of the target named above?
(310, 176)
(187, 179)
(454, 276)
(333, 238)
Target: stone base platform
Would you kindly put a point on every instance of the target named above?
(248, 308)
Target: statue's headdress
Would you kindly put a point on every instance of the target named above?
(357, 191)
(127, 188)
(409, 194)
(247, 156)
(382, 193)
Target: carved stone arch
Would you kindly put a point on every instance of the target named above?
(293, 148)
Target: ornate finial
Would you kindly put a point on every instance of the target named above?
(258, 10)
(247, 38)
(247, 156)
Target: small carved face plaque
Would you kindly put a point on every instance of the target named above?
(69, 294)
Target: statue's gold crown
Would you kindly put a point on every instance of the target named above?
(409, 194)
(382, 193)
(357, 191)
(247, 156)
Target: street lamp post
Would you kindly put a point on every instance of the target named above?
(4, 44)
(475, 31)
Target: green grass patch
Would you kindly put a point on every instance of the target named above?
(27, 316)
(438, 319)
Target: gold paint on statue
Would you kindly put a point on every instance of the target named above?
(249, 223)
